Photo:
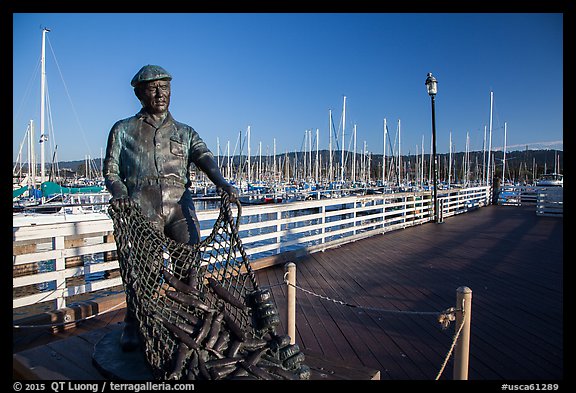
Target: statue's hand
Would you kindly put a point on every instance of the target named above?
(230, 190)
(122, 203)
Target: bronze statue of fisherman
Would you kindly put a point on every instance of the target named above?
(147, 171)
(147, 162)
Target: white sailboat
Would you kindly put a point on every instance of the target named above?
(551, 180)
(554, 179)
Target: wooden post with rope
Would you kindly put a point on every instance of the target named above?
(463, 317)
(291, 309)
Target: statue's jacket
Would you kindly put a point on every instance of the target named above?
(142, 157)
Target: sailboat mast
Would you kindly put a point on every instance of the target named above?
(330, 145)
(240, 161)
(430, 162)
(369, 162)
(342, 141)
(43, 137)
(364, 164)
(450, 162)
(504, 157)
(467, 172)
(305, 161)
(260, 160)
(228, 162)
(287, 165)
(310, 153)
(249, 153)
(399, 157)
(422, 162)
(384, 155)
(484, 156)
(317, 165)
(488, 180)
(417, 166)
(354, 157)
(274, 164)
(32, 157)
(218, 150)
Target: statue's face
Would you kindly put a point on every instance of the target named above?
(155, 96)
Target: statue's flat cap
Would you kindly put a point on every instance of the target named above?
(150, 73)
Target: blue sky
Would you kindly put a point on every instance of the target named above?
(281, 73)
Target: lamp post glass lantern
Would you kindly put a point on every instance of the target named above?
(432, 87)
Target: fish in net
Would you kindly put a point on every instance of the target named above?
(200, 312)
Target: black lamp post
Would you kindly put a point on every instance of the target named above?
(432, 87)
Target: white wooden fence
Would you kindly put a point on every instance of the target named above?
(48, 257)
(549, 201)
(517, 195)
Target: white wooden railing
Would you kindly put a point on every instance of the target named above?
(34, 245)
(517, 195)
(549, 201)
(266, 230)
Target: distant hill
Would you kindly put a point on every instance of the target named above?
(73, 165)
(70, 167)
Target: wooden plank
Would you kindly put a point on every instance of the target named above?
(322, 325)
(28, 367)
(69, 358)
(80, 357)
(43, 363)
(321, 368)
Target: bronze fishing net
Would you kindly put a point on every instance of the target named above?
(200, 312)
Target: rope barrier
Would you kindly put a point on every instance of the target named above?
(444, 317)
(272, 286)
(364, 307)
(451, 349)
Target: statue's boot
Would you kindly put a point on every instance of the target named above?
(130, 339)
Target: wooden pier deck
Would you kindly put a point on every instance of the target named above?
(510, 258)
